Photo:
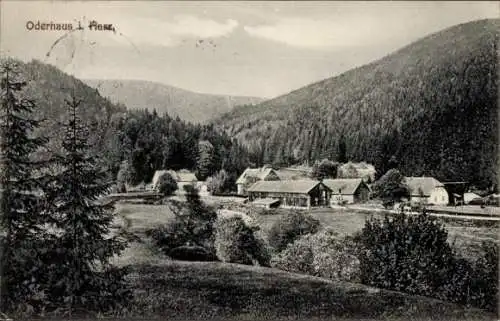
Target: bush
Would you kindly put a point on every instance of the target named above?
(167, 184)
(474, 283)
(193, 224)
(390, 188)
(405, 253)
(219, 183)
(235, 242)
(322, 254)
(169, 236)
(290, 227)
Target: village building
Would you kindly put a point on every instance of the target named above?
(252, 175)
(348, 190)
(183, 177)
(427, 190)
(469, 196)
(289, 194)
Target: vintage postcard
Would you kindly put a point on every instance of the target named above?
(249, 160)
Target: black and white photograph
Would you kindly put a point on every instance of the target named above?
(249, 160)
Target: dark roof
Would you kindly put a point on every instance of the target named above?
(298, 186)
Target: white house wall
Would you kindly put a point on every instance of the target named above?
(439, 196)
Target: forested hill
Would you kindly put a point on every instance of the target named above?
(188, 105)
(50, 87)
(431, 104)
(146, 141)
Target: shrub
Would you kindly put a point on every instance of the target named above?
(485, 284)
(290, 227)
(193, 224)
(219, 183)
(167, 184)
(474, 283)
(390, 188)
(322, 254)
(236, 242)
(405, 253)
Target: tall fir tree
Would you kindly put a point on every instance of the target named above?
(342, 150)
(86, 244)
(22, 232)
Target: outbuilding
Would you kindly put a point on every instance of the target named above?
(348, 190)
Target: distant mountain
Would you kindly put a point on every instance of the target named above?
(188, 105)
(430, 106)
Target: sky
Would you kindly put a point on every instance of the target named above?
(262, 49)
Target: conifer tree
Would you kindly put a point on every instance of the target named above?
(21, 181)
(85, 243)
(342, 150)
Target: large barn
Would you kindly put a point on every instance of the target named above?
(348, 190)
(292, 194)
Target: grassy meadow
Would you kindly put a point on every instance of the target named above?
(214, 290)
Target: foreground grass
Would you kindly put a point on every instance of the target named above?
(186, 290)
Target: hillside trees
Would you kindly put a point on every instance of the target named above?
(81, 271)
(432, 105)
(151, 142)
(22, 233)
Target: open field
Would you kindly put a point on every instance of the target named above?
(212, 290)
(465, 236)
(467, 210)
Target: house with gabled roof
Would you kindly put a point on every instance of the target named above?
(290, 194)
(427, 190)
(348, 190)
(252, 175)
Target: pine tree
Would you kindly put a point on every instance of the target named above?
(85, 242)
(342, 150)
(204, 164)
(21, 181)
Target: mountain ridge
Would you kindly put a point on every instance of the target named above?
(188, 105)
